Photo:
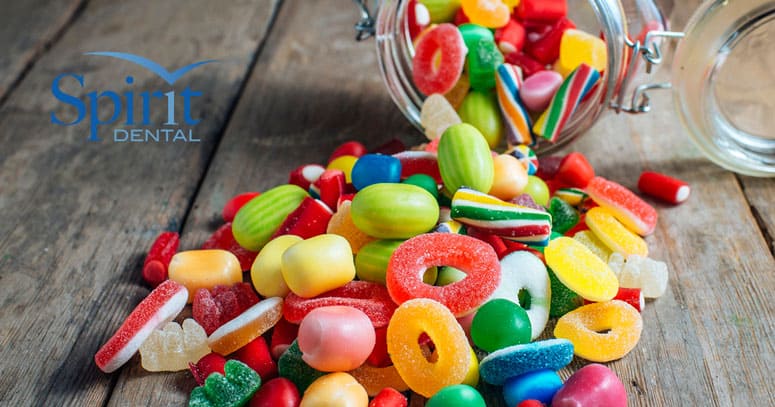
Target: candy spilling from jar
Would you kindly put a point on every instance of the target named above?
(406, 273)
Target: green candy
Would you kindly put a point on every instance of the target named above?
(473, 33)
(441, 11)
(425, 182)
(448, 275)
(292, 367)
(564, 216)
(480, 109)
(459, 395)
(563, 299)
(256, 222)
(394, 211)
(483, 59)
(465, 159)
(372, 260)
(234, 389)
(537, 189)
(500, 323)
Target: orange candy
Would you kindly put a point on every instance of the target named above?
(342, 224)
(487, 13)
(247, 326)
(582, 326)
(196, 269)
(510, 177)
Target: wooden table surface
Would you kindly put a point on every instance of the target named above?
(291, 84)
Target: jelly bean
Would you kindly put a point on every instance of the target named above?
(329, 187)
(615, 235)
(594, 244)
(305, 175)
(526, 156)
(664, 187)
(344, 163)
(436, 115)
(487, 13)
(247, 326)
(278, 392)
(542, 10)
(316, 265)
(234, 204)
(335, 389)
(465, 159)
(375, 168)
(537, 189)
(394, 211)
(539, 385)
(158, 259)
(508, 80)
(173, 347)
(565, 102)
(256, 222)
(525, 62)
(283, 335)
(510, 177)
(537, 90)
(578, 47)
(342, 224)
(425, 182)
(581, 326)
(410, 260)
(500, 323)
(266, 272)
(546, 47)
(368, 297)
(441, 11)
(223, 238)
(640, 272)
(632, 296)
(211, 309)
(417, 17)
(234, 388)
(632, 211)
(257, 356)
(511, 37)
(573, 196)
(473, 33)
(458, 92)
(592, 385)
(309, 219)
(525, 273)
(419, 162)
(336, 338)
(389, 397)
(503, 364)
(374, 379)
(564, 217)
(575, 170)
(581, 270)
(480, 110)
(212, 362)
(482, 61)
(418, 316)
(438, 59)
(291, 366)
(197, 269)
(349, 148)
(459, 395)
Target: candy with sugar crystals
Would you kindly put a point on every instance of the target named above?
(173, 347)
(578, 47)
(291, 366)
(627, 207)
(594, 244)
(374, 379)
(247, 326)
(234, 388)
(564, 299)
(503, 364)
(581, 270)
(582, 326)
(564, 216)
(487, 13)
(482, 60)
(213, 308)
(436, 115)
(640, 272)
(368, 297)
(616, 236)
(438, 59)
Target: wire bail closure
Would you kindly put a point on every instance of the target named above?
(366, 26)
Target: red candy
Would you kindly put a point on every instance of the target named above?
(476, 258)
(664, 187)
(371, 298)
(417, 17)
(279, 392)
(527, 63)
(158, 259)
(460, 17)
(209, 363)
(303, 176)
(223, 238)
(213, 309)
(352, 148)
(530, 403)
(256, 355)
(308, 220)
(632, 296)
(330, 186)
(379, 355)
(389, 397)
(283, 335)
(542, 10)
(546, 48)
(438, 60)
(632, 211)
(510, 38)
(392, 146)
(235, 203)
(575, 170)
(419, 162)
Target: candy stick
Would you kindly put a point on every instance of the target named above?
(508, 80)
(664, 187)
(565, 102)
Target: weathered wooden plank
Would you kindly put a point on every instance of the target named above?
(77, 214)
(760, 193)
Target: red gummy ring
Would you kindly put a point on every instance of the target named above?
(474, 257)
(438, 59)
(371, 298)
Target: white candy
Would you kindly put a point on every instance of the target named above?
(640, 272)
(173, 347)
(436, 115)
(522, 270)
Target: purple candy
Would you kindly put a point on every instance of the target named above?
(537, 90)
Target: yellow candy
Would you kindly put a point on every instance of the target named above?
(410, 320)
(196, 269)
(374, 379)
(344, 163)
(581, 326)
(615, 235)
(342, 224)
(587, 238)
(510, 177)
(472, 377)
(487, 13)
(266, 273)
(581, 270)
(578, 47)
(335, 390)
(318, 264)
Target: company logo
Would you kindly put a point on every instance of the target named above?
(139, 124)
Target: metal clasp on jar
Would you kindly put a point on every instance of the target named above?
(365, 27)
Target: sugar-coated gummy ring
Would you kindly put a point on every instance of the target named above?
(477, 259)
(523, 270)
(438, 60)
(581, 326)
(503, 364)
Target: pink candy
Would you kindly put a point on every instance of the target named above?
(336, 338)
(538, 89)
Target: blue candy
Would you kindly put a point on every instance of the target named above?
(503, 364)
(374, 169)
(539, 385)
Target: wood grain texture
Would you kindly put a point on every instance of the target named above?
(77, 215)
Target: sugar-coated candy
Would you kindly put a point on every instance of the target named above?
(344, 163)
(500, 323)
(578, 47)
(368, 297)
(538, 385)
(480, 109)
(581, 270)
(335, 389)
(197, 269)
(487, 13)
(158, 259)
(291, 366)
(308, 220)
(594, 244)
(207, 364)
(501, 218)
(522, 270)
(305, 175)
(257, 220)
(235, 203)
(441, 10)
(375, 168)
(632, 296)
(372, 260)
(257, 356)
(546, 47)
(411, 319)
(458, 395)
(511, 37)
(564, 216)
(159, 307)
(481, 62)
(173, 347)
(349, 148)
(592, 385)
(436, 115)
(336, 338)
(278, 392)
(465, 159)
(508, 81)
(526, 156)
(565, 101)
(664, 187)
(575, 170)
(223, 239)
(419, 162)
(438, 59)
(573, 196)
(628, 208)
(582, 326)
(537, 90)
(542, 10)
(640, 272)
(321, 263)
(503, 364)
(510, 177)
(425, 182)
(374, 379)
(616, 236)
(247, 326)
(235, 388)
(330, 186)
(213, 308)
(389, 397)
(342, 224)
(394, 211)
(410, 260)
(266, 272)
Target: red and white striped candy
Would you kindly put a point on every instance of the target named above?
(664, 187)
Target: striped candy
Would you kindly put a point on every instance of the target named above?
(565, 102)
(508, 80)
(526, 156)
(573, 196)
(255, 223)
(507, 220)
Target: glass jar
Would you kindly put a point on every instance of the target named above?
(729, 116)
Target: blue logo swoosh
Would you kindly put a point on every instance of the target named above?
(169, 77)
